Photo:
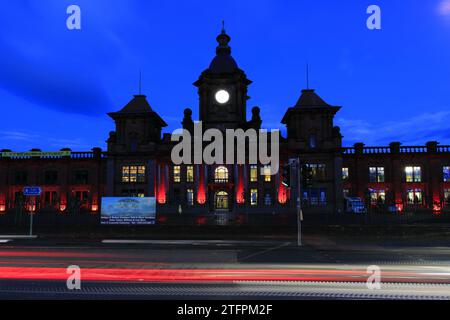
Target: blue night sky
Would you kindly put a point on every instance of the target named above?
(56, 85)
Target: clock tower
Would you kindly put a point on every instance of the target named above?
(222, 90)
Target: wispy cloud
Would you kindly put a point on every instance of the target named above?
(414, 130)
(444, 7)
(29, 140)
(52, 67)
(17, 135)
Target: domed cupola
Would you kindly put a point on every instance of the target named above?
(223, 62)
(222, 90)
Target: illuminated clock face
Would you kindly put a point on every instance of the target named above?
(222, 96)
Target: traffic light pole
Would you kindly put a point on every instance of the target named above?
(32, 201)
(299, 206)
(288, 169)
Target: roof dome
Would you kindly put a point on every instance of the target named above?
(223, 62)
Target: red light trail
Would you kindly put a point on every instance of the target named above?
(213, 275)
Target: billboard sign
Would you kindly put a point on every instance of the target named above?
(128, 210)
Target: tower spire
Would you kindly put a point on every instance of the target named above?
(140, 82)
(307, 75)
(223, 39)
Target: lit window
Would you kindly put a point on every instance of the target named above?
(267, 176)
(221, 200)
(317, 171)
(267, 200)
(190, 174)
(446, 173)
(377, 197)
(312, 141)
(221, 174)
(322, 197)
(414, 196)
(253, 173)
(447, 197)
(253, 197)
(133, 174)
(176, 174)
(190, 197)
(314, 197)
(417, 174)
(345, 174)
(413, 174)
(126, 174)
(376, 174)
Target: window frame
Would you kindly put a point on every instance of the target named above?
(316, 201)
(414, 177)
(133, 173)
(414, 192)
(268, 199)
(446, 197)
(253, 173)
(190, 197)
(190, 174)
(318, 171)
(267, 177)
(379, 174)
(253, 201)
(346, 176)
(176, 174)
(221, 174)
(445, 175)
(378, 193)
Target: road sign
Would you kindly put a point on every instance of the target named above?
(32, 191)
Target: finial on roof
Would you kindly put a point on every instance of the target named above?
(307, 75)
(223, 39)
(140, 82)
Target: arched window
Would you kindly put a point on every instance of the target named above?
(221, 174)
(312, 141)
(221, 200)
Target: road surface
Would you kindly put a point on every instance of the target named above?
(134, 269)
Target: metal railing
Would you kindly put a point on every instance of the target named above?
(73, 155)
(389, 150)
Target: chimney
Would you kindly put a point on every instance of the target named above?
(395, 147)
(432, 146)
(359, 147)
